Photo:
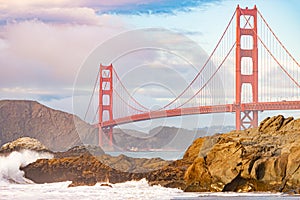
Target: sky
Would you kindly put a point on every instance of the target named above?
(44, 44)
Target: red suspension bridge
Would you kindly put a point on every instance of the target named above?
(266, 78)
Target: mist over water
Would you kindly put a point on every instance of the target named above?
(10, 165)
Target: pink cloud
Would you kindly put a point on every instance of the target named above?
(40, 56)
(59, 11)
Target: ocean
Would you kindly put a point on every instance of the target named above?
(166, 155)
(14, 186)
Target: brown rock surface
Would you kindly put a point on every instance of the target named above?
(80, 150)
(260, 159)
(132, 165)
(171, 175)
(81, 170)
(24, 143)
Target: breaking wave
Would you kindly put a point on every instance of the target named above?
(10, 165)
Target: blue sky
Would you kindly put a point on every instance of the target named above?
(43, 43)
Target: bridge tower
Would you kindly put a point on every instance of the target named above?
(105, 103)
(246, 118)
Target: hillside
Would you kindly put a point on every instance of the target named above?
(55, 129)
(161, 137)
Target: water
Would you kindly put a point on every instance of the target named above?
(13, 185)
(166, 155)
(129, 190)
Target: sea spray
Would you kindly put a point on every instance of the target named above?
(10, 165)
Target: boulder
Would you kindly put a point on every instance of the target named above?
(171, 175)
(22, 144)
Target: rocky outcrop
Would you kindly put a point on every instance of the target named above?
(89, 165)
(55, 129)
(22, 144)
(80, 150)
(82, 170)
(260, 159)
(133, 165)
(171, 175)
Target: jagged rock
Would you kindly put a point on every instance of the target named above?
(80, 150)
(80, 166)
(272, 124)
(259, 159)
(106, 185)
(197, 176)
(24, 143)
(292, 175)
(133, 165)
(193, 151)
(171, 175)
(87, 178)
(227, 154)
(82, 170)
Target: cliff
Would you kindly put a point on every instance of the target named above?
(260, 159)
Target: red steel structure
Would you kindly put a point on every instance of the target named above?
(249, 117)
(246, 112)
(105, 102)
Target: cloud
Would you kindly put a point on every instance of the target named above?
(85, 12)
(41, 60)
(47, 11)
(154, 7)
(43, 43)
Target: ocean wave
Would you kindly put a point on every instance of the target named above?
(10, 165)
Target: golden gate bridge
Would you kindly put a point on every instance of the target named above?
(266, 78)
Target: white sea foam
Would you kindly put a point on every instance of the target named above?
(9, 165)
(132, 190)
(129, 190)
(10, 175)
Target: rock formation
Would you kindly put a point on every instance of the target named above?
(82, 170)
(89, 165)
(260, 159)
(22, 144)
(80, 150)
(133, 165)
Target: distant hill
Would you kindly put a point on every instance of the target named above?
(56, 129)
(161, 137)
(217, 129)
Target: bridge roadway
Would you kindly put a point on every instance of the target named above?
(260, 106)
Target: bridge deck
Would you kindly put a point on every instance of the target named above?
(261, 106)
